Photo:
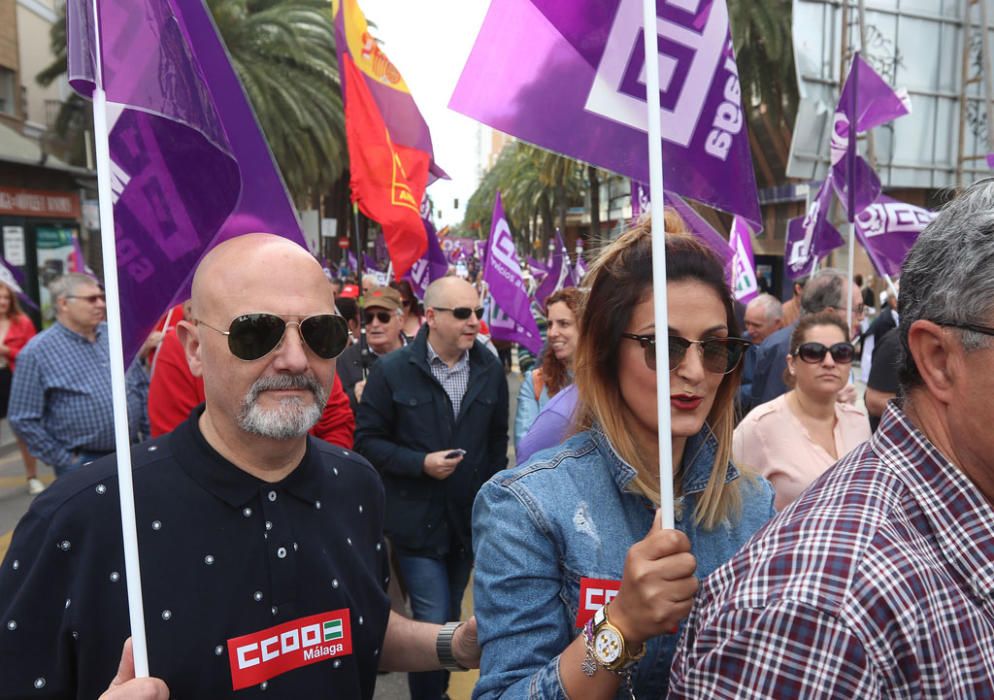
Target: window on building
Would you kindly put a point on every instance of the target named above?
(8, 104)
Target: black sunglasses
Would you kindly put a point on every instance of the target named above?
(462, 312)
(381, 316)
(718, 355)
(252, 336)
(842, 353)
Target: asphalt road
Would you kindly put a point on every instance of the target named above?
(14, 502)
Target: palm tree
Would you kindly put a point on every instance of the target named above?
(284, 54)
(761, 34)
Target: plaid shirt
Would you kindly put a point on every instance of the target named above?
(877, 582)
(454, 380)
(60, 400)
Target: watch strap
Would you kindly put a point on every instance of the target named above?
(443, 647)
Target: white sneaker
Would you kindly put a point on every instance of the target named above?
(35, 486)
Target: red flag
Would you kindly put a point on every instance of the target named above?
(390, 150)
(388, 180)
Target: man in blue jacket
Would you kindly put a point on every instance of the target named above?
(433, 420)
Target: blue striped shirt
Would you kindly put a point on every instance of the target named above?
(60, 401)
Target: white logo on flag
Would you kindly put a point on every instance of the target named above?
(693, 81)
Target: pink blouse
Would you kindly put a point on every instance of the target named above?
(772, 441)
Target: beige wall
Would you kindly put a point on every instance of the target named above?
(33, 25)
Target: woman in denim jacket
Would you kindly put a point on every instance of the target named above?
(554, 537)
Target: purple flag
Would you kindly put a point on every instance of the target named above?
(14, 278)
(190, 166)
(887, 229)
(431, 266)
(699, 227)
(371, 265)
(538, 65)
(502, 272)
(868, 101)
(745, 287)
(811, 237)
(640, 199)
(351, 261)
(580, 269)
(560, 273)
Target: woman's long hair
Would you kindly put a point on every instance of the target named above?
(15, 305)
(619, 279)
(555, 373)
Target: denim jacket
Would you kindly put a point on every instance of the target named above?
(565, 515)
(528, 406)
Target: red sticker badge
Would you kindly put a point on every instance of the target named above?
(262, 655)
(595, 593)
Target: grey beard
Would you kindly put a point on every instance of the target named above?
(292, 418)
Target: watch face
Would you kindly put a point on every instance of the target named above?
(607, 646)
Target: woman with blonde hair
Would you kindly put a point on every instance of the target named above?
(578, 590)
(16, 329)
(556, 370)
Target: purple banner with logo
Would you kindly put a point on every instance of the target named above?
(502, 272)
(431, 266)
(190, 166)
(887, 229)
(540, 65)
(811, 237)
(560, 273)
(868, 101)
(745, 287)
(457, 248)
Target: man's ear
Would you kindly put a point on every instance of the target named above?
(934, 350)
(189, 337)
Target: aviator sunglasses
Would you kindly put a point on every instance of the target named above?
(462, 312)
(252, 336)
(718, 355)
(813, 353)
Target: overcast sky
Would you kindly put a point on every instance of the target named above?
(428, 41)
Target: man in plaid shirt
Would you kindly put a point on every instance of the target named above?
(879, 580)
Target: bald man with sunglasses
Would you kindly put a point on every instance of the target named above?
(262, 553)
(433, 420)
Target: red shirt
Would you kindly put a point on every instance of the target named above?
(174, 392)
(20, 332)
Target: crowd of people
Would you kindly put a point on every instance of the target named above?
(311, 441)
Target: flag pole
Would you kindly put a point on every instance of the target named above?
(122, 443)
(851, 172)
(359, 262)
(649, 23)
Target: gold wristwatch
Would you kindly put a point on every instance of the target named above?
(609, 647)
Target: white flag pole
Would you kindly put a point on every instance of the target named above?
(122, 442)
(650, 23)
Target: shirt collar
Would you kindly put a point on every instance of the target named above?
(961, 518)
(69, 333)
(432, 356)
(232, 485)
(698, 461)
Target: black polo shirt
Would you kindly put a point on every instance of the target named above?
(275, 587)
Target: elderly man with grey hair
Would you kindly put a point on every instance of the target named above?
(60, 401)
(879, 580)
(826, 290)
